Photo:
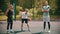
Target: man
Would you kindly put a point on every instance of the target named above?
(46, 16)
(25, 17)
(9, 14)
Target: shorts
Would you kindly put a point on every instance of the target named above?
(25, 20)
(46, 19)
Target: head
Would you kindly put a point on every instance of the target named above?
(26, 10)
(11, 7)
(46, 3)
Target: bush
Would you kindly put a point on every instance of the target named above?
(18, 8)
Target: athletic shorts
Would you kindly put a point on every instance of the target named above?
(46, 19)
(25, 20)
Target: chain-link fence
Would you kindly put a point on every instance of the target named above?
(34, 7)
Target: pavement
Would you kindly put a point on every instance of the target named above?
(36, 27)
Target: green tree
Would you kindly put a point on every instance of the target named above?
(25, 3)
(57, 11)
(4, 5)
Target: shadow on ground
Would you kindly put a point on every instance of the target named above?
(41, 33)
(15, 32)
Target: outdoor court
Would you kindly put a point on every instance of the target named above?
(36, 27)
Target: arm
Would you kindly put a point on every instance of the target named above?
(6, 11)
(46, 9)
(29, 18)
(21, 15)
(43, 9)
(13, 12)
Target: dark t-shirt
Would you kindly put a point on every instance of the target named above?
(9, 15)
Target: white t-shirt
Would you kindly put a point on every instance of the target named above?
(46, 8)
(46, 16)
(25, 16)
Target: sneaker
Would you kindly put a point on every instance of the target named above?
(11, 30)
(49, 31)
(21, 29)
(43, 30)
(8, 31)
(28, 30)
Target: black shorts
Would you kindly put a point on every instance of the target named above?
(25, 20)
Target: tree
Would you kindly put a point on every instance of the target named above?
(57, 12)
(25, 3)
(4, 5)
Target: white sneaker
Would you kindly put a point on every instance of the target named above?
(49, 31)
(8, 31)
(43, 30)
(29, 30)
(21, 29)
(11, 30)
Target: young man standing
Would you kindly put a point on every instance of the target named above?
(46, 16)
(9, 14)
(25, 16)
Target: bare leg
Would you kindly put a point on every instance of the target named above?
(28, 27)
(21, 26)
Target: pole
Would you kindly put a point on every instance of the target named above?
(14, 9)
(33, 8)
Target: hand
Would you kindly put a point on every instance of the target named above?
(45, 11)
(25, 12)
(29, 19)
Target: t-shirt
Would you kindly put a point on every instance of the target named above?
(46, 8)
(25, 16)
(9, 14)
